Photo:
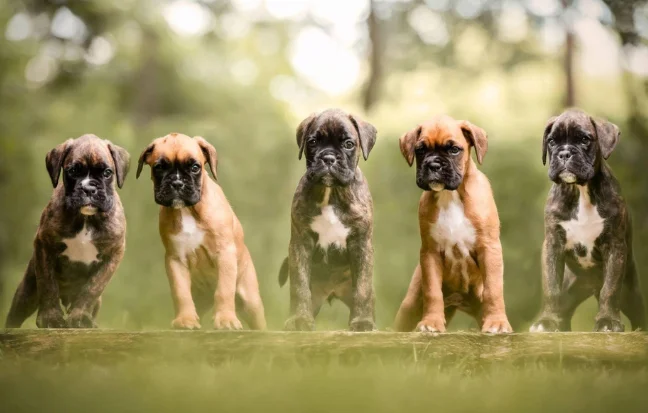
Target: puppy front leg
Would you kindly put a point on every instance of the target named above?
(82, 310)
(491, 262)
(301, 308)
(361, 251)
(50, 314)
(431, 290)
(224, 297)
(180, 282)
(609, 314)
(553, 271)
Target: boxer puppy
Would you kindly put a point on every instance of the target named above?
(81, 237)
(461, 264)
(588, 232)
(331, 252)
(207, 262)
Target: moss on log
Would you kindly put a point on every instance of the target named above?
(107, 346)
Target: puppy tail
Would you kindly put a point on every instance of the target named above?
(283, 273)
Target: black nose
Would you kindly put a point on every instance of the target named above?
(328, 159)
(89, 189)
(434, 167)
(564, 155)
(177, 185)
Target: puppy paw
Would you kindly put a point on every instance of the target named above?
(51, 318)
(362, 324)
(496, 324)
(80, 319)
(226, 320)
(186, 322)
(608, 325)
(300, 323)
(431, 325)
(544, 325)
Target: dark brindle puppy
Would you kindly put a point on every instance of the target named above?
(331, 251)
(588, 234)
(80, 239)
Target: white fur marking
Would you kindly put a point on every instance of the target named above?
(585, 228)
(80, 248)
(328, 226)
(190, 236)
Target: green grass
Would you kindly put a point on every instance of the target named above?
(142, 386)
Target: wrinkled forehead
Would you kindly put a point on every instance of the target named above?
(176, 147)
(328, 126)
(88, 151)
(570, 123)
(441, 132)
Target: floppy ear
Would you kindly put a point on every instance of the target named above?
(210, 154)
(608, 136)
(143, 157)
(367, 133)
(302, 131)
(122, 162)
(547, 130)
(477, 138)
(54, 160)
(407, 142)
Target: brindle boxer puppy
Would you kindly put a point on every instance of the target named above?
(588, 233)
(207, 261)
(81, 237)
(461, 263)
(331, 251)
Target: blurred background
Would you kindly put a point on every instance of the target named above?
(243, 73)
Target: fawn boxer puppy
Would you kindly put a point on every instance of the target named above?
(588, 232)
(81, 237)
(207, 261)
(331, 251)
(461, 263)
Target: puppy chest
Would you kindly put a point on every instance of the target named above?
(330, 230)
(81, 248)
(190, 236)
(583, 230)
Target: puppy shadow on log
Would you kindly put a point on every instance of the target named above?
(207, 262)
(331, 252)
(461, 265)
(81, 237)
(587, 249)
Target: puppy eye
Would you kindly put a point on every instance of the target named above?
(195, 168)
(349, 144)
(160, 166)
(312, 142)
(585, 141)
(454, 150)
(75, 170)
(419, 149)
(551, 142)
(107, 173)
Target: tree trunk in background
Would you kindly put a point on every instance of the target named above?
(570, 90)
(372, 88)
(146, 97)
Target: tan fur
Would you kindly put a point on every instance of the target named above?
(221, 264)
(425, 306)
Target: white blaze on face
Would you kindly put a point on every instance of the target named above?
(328, 226)
(585, 228)
(80, 248)
(190, 236)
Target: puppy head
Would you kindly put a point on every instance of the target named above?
(90, 166)
(332, 142)
(178, 168)
(441, 148)
(575, 143)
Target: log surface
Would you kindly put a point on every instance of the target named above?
(629, 349)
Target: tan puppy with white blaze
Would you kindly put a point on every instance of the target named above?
(461, 265)
(207, 262)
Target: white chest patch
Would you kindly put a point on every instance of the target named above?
(80, 248)
(452, 227)
(190, 236)
(328, 227)
(585, 228)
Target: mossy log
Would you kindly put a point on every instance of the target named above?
(107, 346)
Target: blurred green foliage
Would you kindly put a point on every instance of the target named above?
(157, 82)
